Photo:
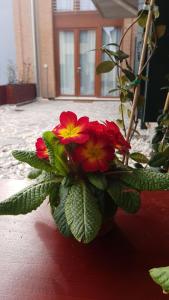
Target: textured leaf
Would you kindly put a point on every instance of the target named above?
(146, 180)
(98, 180)
(34, 173)
(26, 200)
(105, 67)
(161, 277)
(59, 212)
(56, 153)
(139, 157)
(125, 199)
(82, 213)
(30, 158)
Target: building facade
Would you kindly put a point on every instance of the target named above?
(7, 49)
(59, 39)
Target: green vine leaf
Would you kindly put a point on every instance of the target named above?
(146, 180)
(120, 123)
(31, 159)
(139, 157)
(27, 200)
(143, 18)
(161, 277)
(82, 213)
(158, 159)
(105, 67)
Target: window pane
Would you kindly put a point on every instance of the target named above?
(87, 5)
(87, 62)
(109, 80)
(66, 52)
(64, 5)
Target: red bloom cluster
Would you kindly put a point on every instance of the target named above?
(95, 142)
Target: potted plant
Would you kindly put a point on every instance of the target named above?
(19, 90)
(84, 166)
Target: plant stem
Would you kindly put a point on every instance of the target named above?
(137, 89)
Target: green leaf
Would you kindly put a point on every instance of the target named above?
(82, 213)
(30, 158)
(139, 157)
(120, 55)
(120, 123)
(54, 197)
(146, 180)
(143, 18)
(26, 200)
(158, 159)
(98, 180)
(56, 153)
(124, 198)
(161, 277)
(59, 211)
(105, 67)
(130, 75)
(34, 173)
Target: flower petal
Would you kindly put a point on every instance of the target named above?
(41, 149)
(68, 117)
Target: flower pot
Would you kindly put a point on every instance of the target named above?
(2, 94)
(20, 93)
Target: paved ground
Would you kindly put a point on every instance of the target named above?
(20, 126)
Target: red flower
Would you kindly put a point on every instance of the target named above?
(95, 155)
(71, 129)
(41, 149)
(115, 136)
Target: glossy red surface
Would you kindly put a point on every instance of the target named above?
(36, 262)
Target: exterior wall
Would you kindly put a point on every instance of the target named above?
(24, 40)
(128, 44)
(46, 25)
(7, 49)
(46, 47)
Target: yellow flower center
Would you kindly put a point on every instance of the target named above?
(70, 131)
(93, 152)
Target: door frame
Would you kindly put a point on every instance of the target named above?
(76, 32)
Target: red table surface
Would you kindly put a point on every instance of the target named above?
(36, 262)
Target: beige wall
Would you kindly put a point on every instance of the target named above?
(25, 42)
(46, 46)
(128, 44)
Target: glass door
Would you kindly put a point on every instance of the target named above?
(87, 62)
(77, 62)
(67, 62)
(109, 80)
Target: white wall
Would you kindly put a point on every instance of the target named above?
(7, 42)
